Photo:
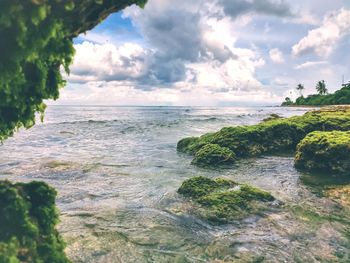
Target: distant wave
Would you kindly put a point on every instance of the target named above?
(86, 122)
(206, 119)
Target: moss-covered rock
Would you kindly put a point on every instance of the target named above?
(213, 155)
(27, 224)
(191, 145)
(223, 200)
(36, 40)
(327, 152)
(274, 135)
(271, 117)
(199, 186)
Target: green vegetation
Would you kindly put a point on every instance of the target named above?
(300, 88)
(321, 87)
(36, 42)
(340, 97)
(27, 224)
(287, 102)
(199, 186)
(327, 152)
(223, 200)
(213, 155)
(278, 134)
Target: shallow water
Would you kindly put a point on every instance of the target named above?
(116, 170)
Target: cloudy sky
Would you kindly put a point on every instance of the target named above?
(211, 52)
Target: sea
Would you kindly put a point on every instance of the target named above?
(116, 171)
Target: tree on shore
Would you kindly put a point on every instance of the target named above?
(300, 89)
(321, 87)
(287, 102)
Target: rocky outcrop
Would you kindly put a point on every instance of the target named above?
(221, 200)
(271, 136)
(325, 152)
(28, 216)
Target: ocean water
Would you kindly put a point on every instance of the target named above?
(116, 171)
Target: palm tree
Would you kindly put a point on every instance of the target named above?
(300, 88)
(287, 102)
(321, 87)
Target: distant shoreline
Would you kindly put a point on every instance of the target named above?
(316, 106)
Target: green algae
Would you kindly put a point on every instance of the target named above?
(222, 200)
(275, 135)
(328, 152)
(27, 224)
(199, 186)
(213, 155)
(36, 46)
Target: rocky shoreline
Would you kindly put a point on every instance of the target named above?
(274, 135)
(320, 140)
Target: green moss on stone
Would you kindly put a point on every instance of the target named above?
(198, 186)
(271, 136)
(27, 224)
(188, 145)
(328, 152)
(213, 155)
(36, 40)
(223, 200)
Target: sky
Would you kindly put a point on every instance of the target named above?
(211, 53)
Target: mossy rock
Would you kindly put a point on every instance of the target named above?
(221, 200)
(326, 152)
(275, 135)
(27, 224)
(36, 46)
(189, 145)
(199, 186)
(213, 155)
(271, 117)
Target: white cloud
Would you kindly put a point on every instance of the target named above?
(276, 55)
(119, 93)
(183, 46)
(305, 18)
(233, 75)
(97, 62)
(324, 39)
(203, 52)
(310, 64)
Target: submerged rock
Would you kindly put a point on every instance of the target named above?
(279, 134)
(341, 194)
(213, 155)
(222, 200)
(271, 117)
(327, 152)
(28, 217)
